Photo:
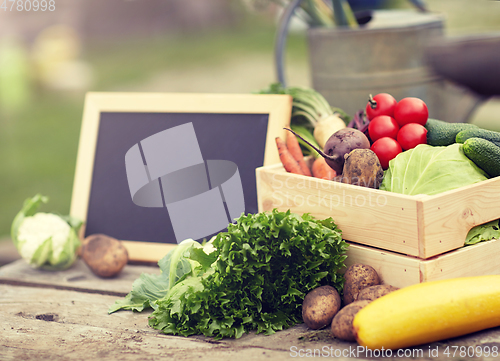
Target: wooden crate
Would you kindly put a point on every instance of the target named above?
(399, 270)
(421, 226)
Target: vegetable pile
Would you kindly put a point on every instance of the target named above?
(254, 279)
(391, 136)
(393, 146)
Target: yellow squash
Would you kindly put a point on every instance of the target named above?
(429, 312)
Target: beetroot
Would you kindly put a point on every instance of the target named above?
(338, 145)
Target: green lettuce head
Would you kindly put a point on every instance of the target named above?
(45, 240)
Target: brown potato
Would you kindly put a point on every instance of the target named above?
(373, 292)
(357, 277)
(320, 306)
(104, 255)
(342, 322)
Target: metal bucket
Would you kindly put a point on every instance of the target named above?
(385, 56)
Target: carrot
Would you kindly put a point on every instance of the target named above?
(320, 169)
(293, 146)
(286, 158)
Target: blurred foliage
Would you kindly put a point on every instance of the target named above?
(39, 142)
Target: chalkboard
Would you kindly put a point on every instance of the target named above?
(156, 168)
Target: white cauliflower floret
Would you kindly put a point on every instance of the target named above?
(36, 229)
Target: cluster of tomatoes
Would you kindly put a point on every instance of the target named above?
(395, 126)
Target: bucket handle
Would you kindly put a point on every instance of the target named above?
(282, 34)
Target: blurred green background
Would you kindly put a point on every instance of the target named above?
(229, 50)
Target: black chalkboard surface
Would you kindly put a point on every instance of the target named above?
(155, 169)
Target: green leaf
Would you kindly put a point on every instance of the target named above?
(175, 267)
(68, 255)
(176, 264)
(205, 260)
(42, 253)
(431, 170)
(145, 290)
(483, 232)
(74, 222)
(307, 135)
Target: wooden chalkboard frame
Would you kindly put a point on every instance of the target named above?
(278, 108)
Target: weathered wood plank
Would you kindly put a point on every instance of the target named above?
(363, 214)
(401, 271)
(70, 325)
(48, 324)
(78, 277)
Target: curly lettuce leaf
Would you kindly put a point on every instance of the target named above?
(266, 263)
(431, 170)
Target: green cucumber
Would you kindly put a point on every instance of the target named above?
(477, 132)
(440, 133)
(485, 154)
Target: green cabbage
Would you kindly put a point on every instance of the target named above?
(431, 170)
(45, 240)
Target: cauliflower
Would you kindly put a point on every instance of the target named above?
(37, 229)
(45, 240)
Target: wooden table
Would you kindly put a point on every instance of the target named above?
(63, 316)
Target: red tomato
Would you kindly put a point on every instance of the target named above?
(411, 110)
(411, 135)
(386, 149)
(380, 104)
(383, 126)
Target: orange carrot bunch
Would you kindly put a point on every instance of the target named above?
(287, 159)
(293, 146)
(293, 160)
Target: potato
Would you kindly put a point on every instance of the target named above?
(362, 168)
(373, 292)
(104, 255)
(320, 306)
(357, 277)
(342, 322)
